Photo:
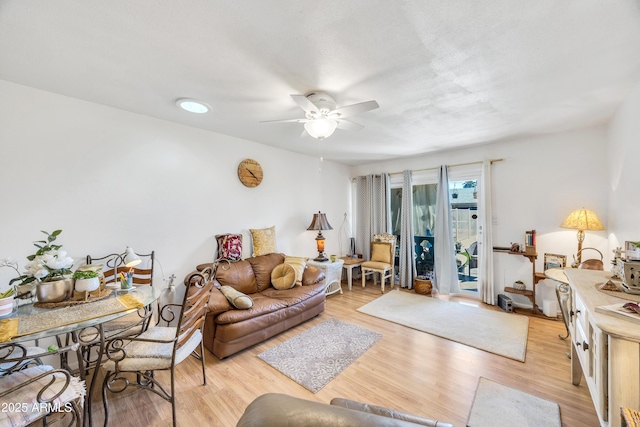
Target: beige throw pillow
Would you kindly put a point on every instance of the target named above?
(236, 298)
(264, 241)
(283, 276)
(381, 252)
(299, 264)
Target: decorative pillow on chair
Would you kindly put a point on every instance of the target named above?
(236, 298)
(299, 264)
(229, 246)
(283, 276)
(264, 241)
(381, 252)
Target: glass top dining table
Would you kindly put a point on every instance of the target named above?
(65, 321)
(146, 295)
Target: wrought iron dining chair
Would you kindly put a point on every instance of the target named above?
(16, 357)
(383, 249)
(161, 347)
(41, 393)
(142, 274)
(129, 325)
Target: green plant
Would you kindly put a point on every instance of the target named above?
(7, 293)
(85, 275)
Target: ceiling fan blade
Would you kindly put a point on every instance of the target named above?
(305, 104)
(286, 121)
(350, 110)
(348, 125)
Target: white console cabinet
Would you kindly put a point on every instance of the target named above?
(605, 349)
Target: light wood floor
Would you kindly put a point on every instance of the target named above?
(408, 370)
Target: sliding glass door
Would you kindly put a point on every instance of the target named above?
(464, 205)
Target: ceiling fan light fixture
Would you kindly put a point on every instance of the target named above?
(193, 105)
(321, 128)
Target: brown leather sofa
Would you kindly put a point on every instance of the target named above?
(276, 410)
(228, 329)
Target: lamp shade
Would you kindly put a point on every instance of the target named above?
(130, 258)
(320, 128)
(319, 222)
(582, 219)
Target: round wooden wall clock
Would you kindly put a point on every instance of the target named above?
(250, 173)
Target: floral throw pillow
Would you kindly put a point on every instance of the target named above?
(264, 241)
(229, 246)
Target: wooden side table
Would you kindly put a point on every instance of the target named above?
(349, 265)
(332, 272)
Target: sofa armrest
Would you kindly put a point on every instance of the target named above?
(312, 275)
(387, 412)
(218, 303)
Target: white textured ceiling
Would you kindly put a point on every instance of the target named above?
(445, 73)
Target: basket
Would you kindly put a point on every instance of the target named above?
(422, 286)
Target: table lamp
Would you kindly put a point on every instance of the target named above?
(130, 258)
(319, 222)
(581, 220)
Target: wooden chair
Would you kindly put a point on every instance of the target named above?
(161, 347)
(383, 250)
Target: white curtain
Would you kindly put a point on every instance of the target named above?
(373, 196)
(407, 264)
(485, 240)
(446, 271)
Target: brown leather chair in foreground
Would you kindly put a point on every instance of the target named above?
(276, 410)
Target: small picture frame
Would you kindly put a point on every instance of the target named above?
(554, 261)
(630, 246)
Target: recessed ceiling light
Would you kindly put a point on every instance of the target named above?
(192, 105)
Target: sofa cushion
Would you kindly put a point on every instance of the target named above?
(237, 299)
(296, 295)
(283, 276)
(299, 264)
(261, 305)
(238, 275)
(262, 267)
(264, 241)
(229, 246)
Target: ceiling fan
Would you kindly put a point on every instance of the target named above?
(322, 117)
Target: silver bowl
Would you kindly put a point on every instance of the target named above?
(55, 291)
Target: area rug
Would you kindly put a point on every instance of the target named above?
(496, 405)
(316, 356)
(497, 332)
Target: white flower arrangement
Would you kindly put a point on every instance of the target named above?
(49, 262)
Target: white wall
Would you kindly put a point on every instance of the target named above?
(110, 178)
(624, 168)
(542, 179)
